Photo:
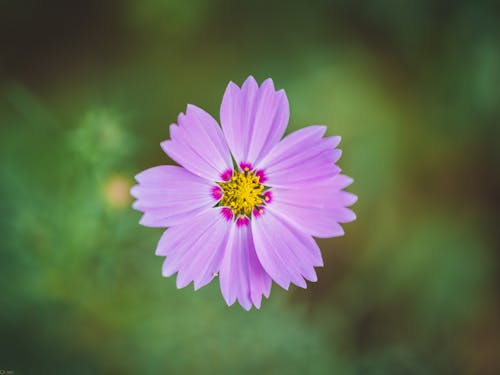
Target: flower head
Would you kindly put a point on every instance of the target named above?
(244, 203)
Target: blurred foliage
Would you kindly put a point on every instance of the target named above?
(87, 90)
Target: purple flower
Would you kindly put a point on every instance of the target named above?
(245, 203)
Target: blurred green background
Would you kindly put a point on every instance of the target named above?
(88, 89)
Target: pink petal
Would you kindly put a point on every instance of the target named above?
(169, 195)
(195, 249)
(286, 254)
(316, 209)
(242, 277)
(253, 119)
(197, 143)
(303, 157)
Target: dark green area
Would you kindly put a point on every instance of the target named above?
(87, 91)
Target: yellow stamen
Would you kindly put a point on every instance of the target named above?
(242, 193)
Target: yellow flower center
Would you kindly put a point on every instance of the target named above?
(242, 193)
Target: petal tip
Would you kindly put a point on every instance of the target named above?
(268, 82)
(301, 283)
(322, 129)
(257, 302)
(198, 284)
(165, 145)
(133, 190)
(183, 279)
(136, 206)
(250, 80)
(232, 86)
(246, 305)
(336, 139)
(166, 270)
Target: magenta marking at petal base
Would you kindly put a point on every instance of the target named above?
(227, 213)
(258, 211)
(246, 166)
(242, 221)
(226, 175)
(216, 193)
(262, 176)
(268, 196)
